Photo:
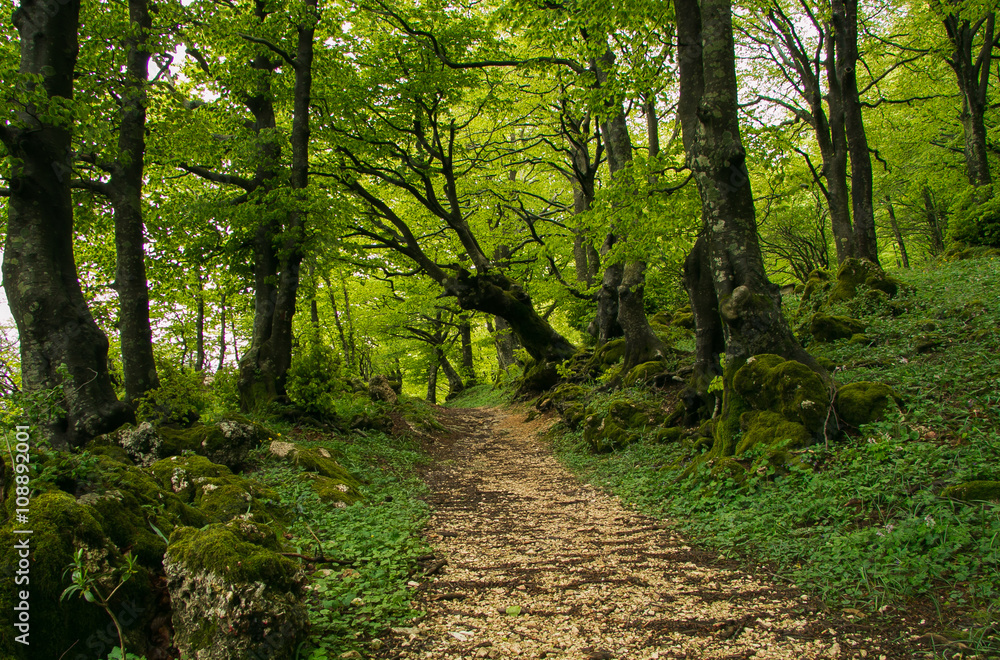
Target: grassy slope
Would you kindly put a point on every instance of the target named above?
(866, 527)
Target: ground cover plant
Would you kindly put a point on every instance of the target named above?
(864, 521)
(361, 555)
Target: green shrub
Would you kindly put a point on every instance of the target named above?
(180, 399)
(316, 381)
(976, 218)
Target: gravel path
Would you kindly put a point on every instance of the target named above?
(592, 580)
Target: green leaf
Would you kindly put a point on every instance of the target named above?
(514, 610)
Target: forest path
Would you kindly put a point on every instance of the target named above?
(593, 579)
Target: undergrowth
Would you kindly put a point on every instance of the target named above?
(484, 395)
(866, 526)
(375, 541)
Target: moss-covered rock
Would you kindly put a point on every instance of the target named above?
(683, 320)
(728, 468)
(610, 353)
(645, 373)
(771, 383)
(215, 491)
(765, 428)
(827, 328)
(228, 582)
(332, 491)
(862, 402)
(318, 460)
(61, 525)
(826, 363)
(604, 434)
(974, 491)
(573, 415)
(228, 443)
(670, 434)
(855, 273)
(817, 284)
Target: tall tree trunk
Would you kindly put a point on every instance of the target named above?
(468, 362)
(972, 72)
(505, 343)
(125, 187)
(709, 339)
(222, 331)
(339, 325)
(622, 289)
(895, 231)
(199, 330)
(265, 365)
(39, 272)
(748, 303)
(845, 29)
(432, 378)
(933, 222)
(455, 384)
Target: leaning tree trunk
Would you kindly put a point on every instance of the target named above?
(61, 346)
(494, 293)
(749, 304)
(455, 384)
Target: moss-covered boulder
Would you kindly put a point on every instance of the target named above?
(380, 389)
(61, 525)
(233, 594)
(647, 372)
(668, 434)
(215, 491)
(609, 353)
(862, 402)
(974, 491)
(827, 328)
(332, 491)
(604, 434)
(764, 428)
(728, 468)
(318, 460)
(817, 284)
(228, 443)
(770, 383)
(855, 273)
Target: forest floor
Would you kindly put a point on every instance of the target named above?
(530, 562)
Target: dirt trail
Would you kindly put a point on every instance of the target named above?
(593, 579)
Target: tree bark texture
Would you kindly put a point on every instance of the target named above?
(125, 187)
(972, 71)
(748, 303)
(468, 361)
(432, 378)
(53, 321)
(904, 258)
(845, 31)
(265, 365)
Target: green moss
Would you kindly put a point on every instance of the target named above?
(854, 273)
(817, 283)
(974, 491)
(826, 363)
(645, 372)
(604, 434)
(317, 460)
(862, 339)
(771, 430)
(573, 415)
(827, 328)
(669, 434)
(332, 490)
(61, 525)
(862, 402)
(734, 404)
(610, 353)
(179, 474)
(728, 468)
(683, 320)
(233, 552)
(771, 383)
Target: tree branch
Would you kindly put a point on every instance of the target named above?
(273, 48)
(227, 179)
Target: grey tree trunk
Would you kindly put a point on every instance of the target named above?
(40, 277)
(748, 303)
(432, 379)
(904, 258)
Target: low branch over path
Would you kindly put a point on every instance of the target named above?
(542, 566)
